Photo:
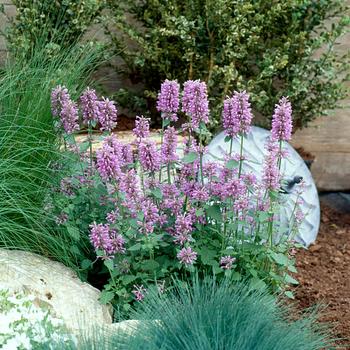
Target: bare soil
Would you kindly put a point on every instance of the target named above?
(324, 273)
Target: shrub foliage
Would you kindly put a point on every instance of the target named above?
(271, 49)
(57, 23)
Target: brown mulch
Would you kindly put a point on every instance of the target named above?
(324, 272)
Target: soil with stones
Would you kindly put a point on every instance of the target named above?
(324, 272)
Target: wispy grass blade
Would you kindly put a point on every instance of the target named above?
(29, 146)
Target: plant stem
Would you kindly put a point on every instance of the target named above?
(161, 144)
(240, 156)
(231, 146)
(201, 155)
(90, 143)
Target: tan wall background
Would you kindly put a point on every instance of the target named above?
(327, 139)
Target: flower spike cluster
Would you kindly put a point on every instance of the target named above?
(168, 100)
(90, 107)
(237, 115)
(282, 121)
(195, 102)
(161, 213)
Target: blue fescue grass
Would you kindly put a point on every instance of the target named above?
(29, 146)
(210, 316)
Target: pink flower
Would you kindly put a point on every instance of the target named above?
(271, 175)
(168, 99)
(89, 106)
(69, 117)
(226, 262)
(150, 216)
(141, 129)
(109, 158)
(237, 115)
(149, 156)
(183, 228)
(139, 292)
(103, 237)
(282, 121)
(169, 145)
(195, 102)
(108, 114)
(59, 97)
(187, 256)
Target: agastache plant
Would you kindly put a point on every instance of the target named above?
(160, 211)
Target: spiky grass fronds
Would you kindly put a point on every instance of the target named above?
(29, 146)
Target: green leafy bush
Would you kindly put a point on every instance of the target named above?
(29, 147)
(271, 49)
(58, 23)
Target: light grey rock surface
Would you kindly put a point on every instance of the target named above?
(56, 286)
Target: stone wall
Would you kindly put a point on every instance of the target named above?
(10, 11)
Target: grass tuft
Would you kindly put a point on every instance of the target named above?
(29, 146)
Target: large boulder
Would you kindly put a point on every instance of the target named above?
(55, 286)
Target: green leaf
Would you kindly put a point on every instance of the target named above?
(207, 256)
(214, 212)
(74, 232)
(280, 259)
(227, 138)
(84, 146)
(190, 158)
(289, 294)
(106, 297)
(157, 193)
(135, 247)
(263, 216)
(128, 279)
(232, 164)
(257, 284)
(235, 276)
(150, 265)
(292, 268)
(166, 122)
(69, 138)
(199, 212)
(290, 279)
(85, 264)
(109, 264)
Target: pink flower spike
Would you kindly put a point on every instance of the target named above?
(237, 115)
(168, 100)
(282, 121)
(195, 102)
(89, 106)
(108, 114)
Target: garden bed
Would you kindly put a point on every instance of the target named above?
(324, 270)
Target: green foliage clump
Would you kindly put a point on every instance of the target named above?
(207, 316)
(271, 49)
(29, 147)
(57, 23)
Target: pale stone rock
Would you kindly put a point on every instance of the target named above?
(54, 285)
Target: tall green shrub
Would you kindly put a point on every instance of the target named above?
(29, 147)
(58, 23)
(269, 48)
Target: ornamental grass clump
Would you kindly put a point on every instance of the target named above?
(30, 148)
(151, 213)
(208, 315)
